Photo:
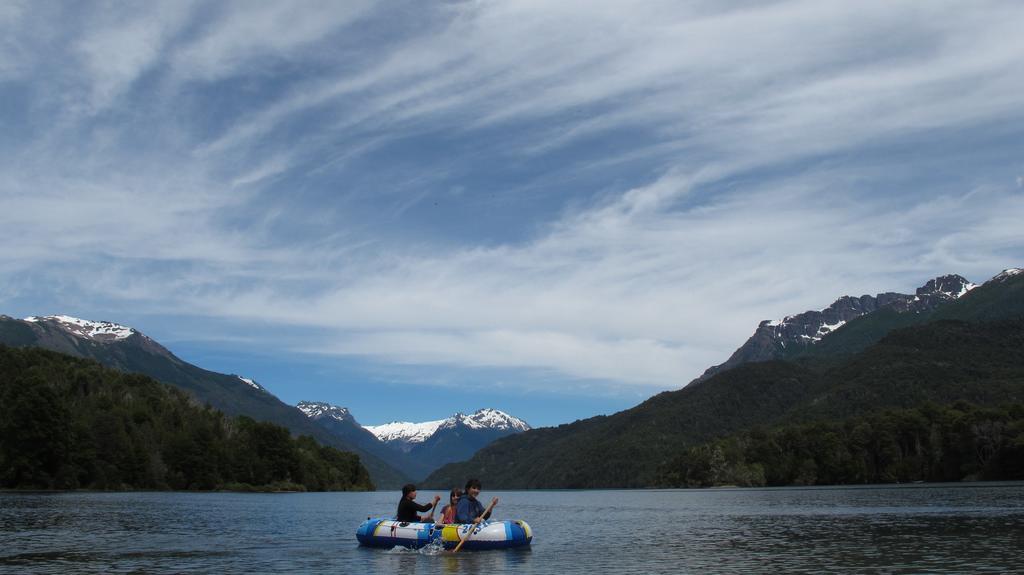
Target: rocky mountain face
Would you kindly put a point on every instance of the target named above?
(776, 339)
(129, 350)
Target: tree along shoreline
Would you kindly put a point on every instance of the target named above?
(69, 423)
(261, 489)
(954, 443)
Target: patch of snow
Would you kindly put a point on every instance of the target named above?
(314, 409)
(1007, 273)
(826, 329)
(96, 330)
(252, 383)
(966, 288)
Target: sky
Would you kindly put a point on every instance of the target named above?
(556, 209)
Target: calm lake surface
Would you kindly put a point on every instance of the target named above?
(970, 528)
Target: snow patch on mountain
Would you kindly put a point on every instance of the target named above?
(95, 330)
(318, 409)
(251, 383)
(406, 431)
(413, 432)
(828, 328)
(816, 325)
(1007, 274)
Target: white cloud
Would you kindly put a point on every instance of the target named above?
(779, 80)
(119, 47)
(753, 119)
(247, 31)
(647, 298)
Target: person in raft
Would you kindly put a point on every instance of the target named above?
(408, 508)
(469, 510)
(448, 511)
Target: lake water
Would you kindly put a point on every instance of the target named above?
(971, 528)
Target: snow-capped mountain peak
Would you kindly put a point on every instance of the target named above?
(318, 409)
(94, 330)
(406, 431)
(952, 286)
(413, 432)
(493, 419)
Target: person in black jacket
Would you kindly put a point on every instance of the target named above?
(408, 509)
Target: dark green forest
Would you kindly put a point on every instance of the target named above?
(932, 443)
(68, 423)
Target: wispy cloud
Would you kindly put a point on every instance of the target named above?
(636, 188)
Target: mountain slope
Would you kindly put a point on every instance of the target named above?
(68, 423)
(940, 361)
(131, 351)
(624, 449)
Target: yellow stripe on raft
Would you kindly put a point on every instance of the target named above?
(526, 528)
(451, 533)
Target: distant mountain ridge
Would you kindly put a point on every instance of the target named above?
(406, 435)
(418, 448)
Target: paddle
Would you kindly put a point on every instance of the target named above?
(475, 523)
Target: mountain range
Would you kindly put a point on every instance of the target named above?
(950, 341)
(417, 448)
(454, 438)
(129, 350)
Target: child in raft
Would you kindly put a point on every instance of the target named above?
(408, 508)
(448, 511)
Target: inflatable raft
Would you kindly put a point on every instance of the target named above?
(487, 535)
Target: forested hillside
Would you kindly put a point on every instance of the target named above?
(941, 362)
(68, 423)
(137, 353)
(931, 443)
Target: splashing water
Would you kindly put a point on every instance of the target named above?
(432, 548)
